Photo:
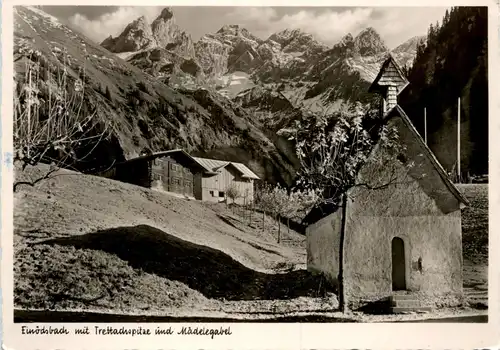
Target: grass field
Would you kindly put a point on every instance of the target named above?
(475, 223)
(84, 242)
(88, 243)
(475, 244)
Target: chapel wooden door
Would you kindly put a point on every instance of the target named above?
(398, 264)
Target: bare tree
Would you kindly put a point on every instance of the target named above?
(51, 119)
(264, 201)
(247, 205)
(280, 200)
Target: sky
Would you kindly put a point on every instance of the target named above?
(327, 24)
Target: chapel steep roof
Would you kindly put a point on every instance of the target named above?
(429, 154)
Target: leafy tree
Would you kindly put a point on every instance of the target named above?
(233, 193)
(332, 149)
(446, 18)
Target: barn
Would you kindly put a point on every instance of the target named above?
(178, 172)
(402, 244)
(221, 176)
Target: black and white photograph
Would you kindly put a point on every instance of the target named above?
(235, 164)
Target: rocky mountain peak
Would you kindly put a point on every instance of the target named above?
(348, 38)
(285, 36)
(409, 45)
(166, 14)
(164, 28)
(137, 35)
(345, 47)
(140, 24)
(368, 31)
(295, 40)
(231, 29)
(162, 33)
(368, 42)
(235, 33)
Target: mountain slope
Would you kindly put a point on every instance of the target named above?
(140, 110)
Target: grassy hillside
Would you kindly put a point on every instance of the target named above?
(87, 242)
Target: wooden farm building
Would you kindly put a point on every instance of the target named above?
(178, 172)
(403, 242)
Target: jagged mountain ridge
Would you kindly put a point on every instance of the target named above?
(332, 78)
(160, 49)
(313, 75)
(163, 32)
(141, 111)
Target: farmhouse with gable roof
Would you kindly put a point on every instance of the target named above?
(178, 172)
(403, 242)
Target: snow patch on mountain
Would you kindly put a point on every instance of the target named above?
(234, 84)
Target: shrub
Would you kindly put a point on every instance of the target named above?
(233, 193)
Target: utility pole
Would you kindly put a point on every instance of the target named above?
(458, 143)
(425, 125)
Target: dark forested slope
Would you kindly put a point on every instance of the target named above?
(453, 63)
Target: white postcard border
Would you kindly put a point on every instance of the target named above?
(255, 335)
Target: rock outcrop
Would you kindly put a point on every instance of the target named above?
(162, 33)
(136, 36)
(368, 43)
(169, 36)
